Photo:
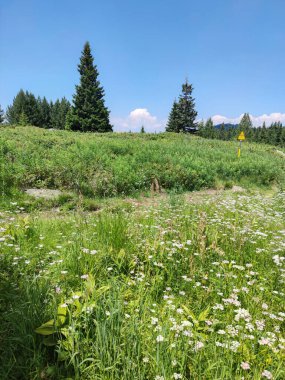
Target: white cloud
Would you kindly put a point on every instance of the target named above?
(134, 121)
(256, 120)
(141, 114)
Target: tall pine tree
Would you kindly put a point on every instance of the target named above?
(88, 112)
(45, 112)
(183, 113)
(186, 107)
(173, 119)
(63, 111)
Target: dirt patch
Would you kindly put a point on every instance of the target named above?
(194, 197)
(280, 153)
(44, 193)
(237, 189)
(191, 197)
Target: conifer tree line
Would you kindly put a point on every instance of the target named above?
(30, 110)
(183, 114)
(87, 113)
(274, 134)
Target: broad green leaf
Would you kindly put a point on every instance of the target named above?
(47, 328)
(61, 316)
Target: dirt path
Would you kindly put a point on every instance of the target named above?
(191, 197)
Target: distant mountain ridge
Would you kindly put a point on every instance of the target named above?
(226, 125)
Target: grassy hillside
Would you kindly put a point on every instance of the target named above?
(123, 164)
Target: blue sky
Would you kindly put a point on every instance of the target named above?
(232, 51)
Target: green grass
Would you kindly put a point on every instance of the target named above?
(111, 165)
(169, 290)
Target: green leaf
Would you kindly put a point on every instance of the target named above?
(245, 352)
(65, 332)
(50, 341)
(47, 328)
(62, 356)
(61, 316)
(190, 314)
(102, 290)
(204, 314)
(51, 370)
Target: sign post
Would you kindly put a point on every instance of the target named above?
(241, 138)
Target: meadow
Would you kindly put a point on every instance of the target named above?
(170, 291)
(113, 164)
(170, 286)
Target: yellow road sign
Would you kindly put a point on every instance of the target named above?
(241, 137)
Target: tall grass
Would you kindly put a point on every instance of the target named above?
(172, 291)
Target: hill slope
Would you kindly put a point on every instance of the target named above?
(122, 164)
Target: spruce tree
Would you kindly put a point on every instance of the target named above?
(222, 132)
(23, 119)
(245, 125)
(63, 111)
(1, 115)
(183, 113)
(263, 133)
(201, 128)
(59, 111)
(210, 130)
(55, 121)
(186, 107)
(173, 119)
(45, 112)
(14, 111)
(88, 112)
(32, 109)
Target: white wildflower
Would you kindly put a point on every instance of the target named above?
(198, 346)
(160, 338)
(245, 365)
(267, 374)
